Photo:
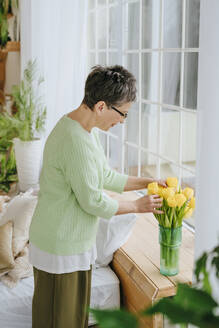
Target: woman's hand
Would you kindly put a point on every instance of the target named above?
(149, 203)
(161, 183)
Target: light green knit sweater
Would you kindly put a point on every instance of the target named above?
(71, 198)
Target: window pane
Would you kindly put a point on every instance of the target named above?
(188, 180)
(131, 160)
(150, 76)
(113, 27)
(168, 169)
(189, 140)
(115, 154)
(148, 165)
(117, 130)
(132, 123)
(190, 80)
(91, 4)
(91, 60)
(149, 127)
(102, 2)
(91, 30)
(101, 27)
(114, 58)
(102, 58)
(173, 23)
(150, 23)
(132, 65)
(103, 139)
(133, 26)
(192, 23)
(171, 78)
(170, 134)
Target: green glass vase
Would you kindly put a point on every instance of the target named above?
(170, 241)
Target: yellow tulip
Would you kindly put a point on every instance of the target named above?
(188, 192)
(160, 191)
(153, 188)
(172, 182)
(189, 213)
(168, 192)
(180, 199)
(192, 203)
(171, 201)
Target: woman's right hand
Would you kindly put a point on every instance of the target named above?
(149, 203)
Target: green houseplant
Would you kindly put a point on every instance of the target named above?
(31, 112)
(4, 38)
(26, 126)
(5, 9)
(191, 304)
(8, 8)
(8, 170)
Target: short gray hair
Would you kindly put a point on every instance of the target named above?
(114, 85)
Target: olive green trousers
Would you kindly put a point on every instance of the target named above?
(61, 300)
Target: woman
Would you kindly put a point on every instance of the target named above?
(65, 221)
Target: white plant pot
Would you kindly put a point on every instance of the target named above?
(28, 160)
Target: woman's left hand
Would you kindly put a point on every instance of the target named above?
(161, 183)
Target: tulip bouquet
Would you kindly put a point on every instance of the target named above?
(177, 205)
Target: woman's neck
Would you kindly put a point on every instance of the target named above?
(84, 116)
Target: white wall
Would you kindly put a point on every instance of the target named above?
(207, 213)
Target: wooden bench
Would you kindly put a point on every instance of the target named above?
(137, 265)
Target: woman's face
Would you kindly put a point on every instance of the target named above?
(107, 117)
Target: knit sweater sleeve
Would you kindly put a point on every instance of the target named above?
(113, 180)
(82, 174)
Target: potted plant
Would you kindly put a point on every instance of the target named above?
(26, 126)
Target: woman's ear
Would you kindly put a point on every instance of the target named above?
(99, 107)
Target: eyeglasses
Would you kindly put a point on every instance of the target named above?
(118, 111)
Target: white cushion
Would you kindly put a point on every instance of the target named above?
(111, 235)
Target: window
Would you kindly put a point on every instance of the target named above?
(157, 40)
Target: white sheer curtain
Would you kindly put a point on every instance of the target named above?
(54, 32)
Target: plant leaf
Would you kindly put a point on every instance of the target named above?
(201, 268)
(178, 314)
(215, 260)
(194, 299)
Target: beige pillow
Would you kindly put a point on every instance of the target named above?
(22, 269)
(3, 204)
(6, 254)
(20, 210)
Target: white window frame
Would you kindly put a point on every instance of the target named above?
(161, 50)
